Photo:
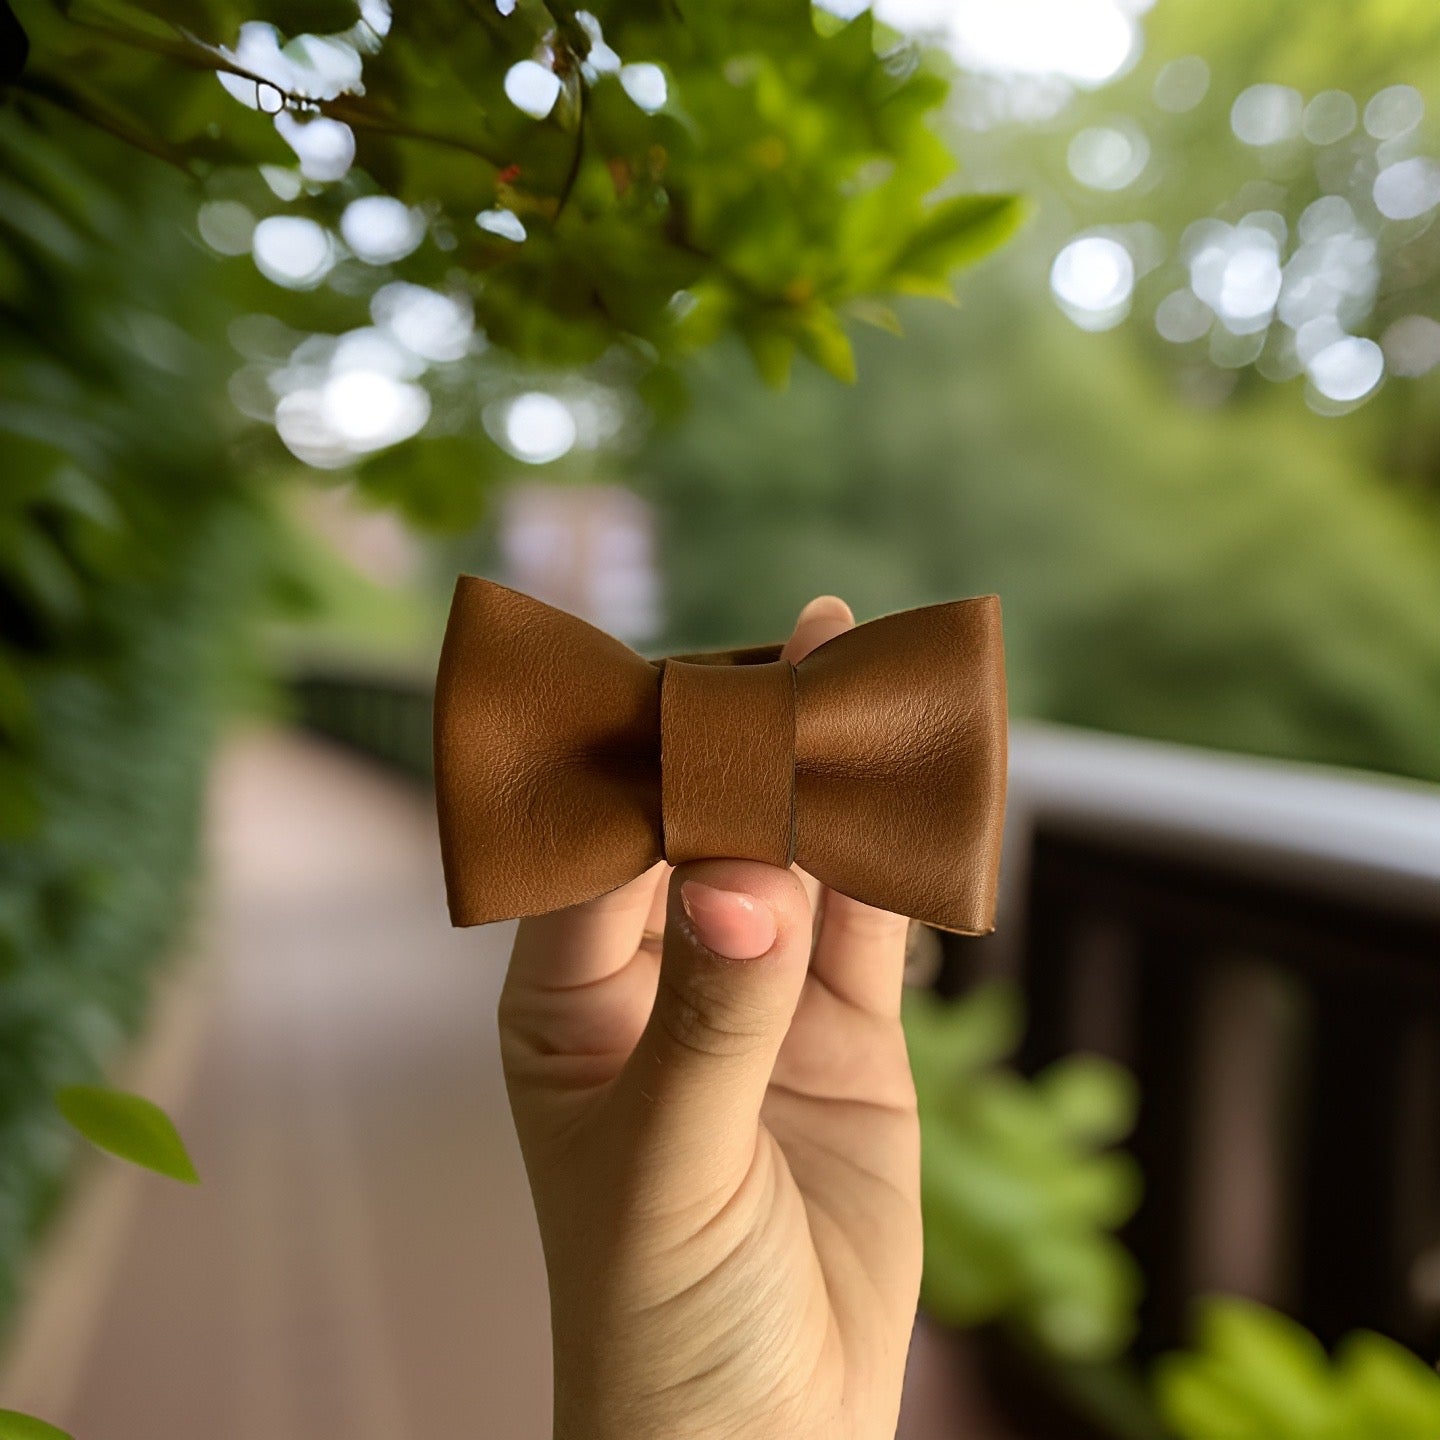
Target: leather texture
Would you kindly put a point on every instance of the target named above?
(566, 764)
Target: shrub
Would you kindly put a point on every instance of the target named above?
(129, 560)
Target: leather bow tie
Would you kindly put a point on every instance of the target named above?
(566, 764)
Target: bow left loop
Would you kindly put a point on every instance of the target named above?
(545, 778)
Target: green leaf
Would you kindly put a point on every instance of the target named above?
(953, 1038)
(1389, 1390)
(15, 1426)
(128, 1126)
(956, 232)
(437, 482)
(1091, 1097)
(823, 339)
(1196, 1404)
(773, 352)
(876, 313)
(789, 160)
(1254, 1375)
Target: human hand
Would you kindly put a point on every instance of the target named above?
(723, 1152)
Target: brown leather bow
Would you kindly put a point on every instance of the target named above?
(566, 764)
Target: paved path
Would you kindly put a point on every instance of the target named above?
(361, 1262)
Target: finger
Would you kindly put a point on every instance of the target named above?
(860, 954)
(737, 945)
(584, 943)
(822, 619)
(859, 950)
(655, 920)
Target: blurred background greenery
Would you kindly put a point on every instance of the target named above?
(668, 283)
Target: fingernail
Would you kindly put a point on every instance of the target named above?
(736, 926)
(826, 607)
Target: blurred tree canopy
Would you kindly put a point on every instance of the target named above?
(1265, 178)
(611, 187)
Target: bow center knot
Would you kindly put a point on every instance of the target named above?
(727, 761)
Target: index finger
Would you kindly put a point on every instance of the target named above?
(859, 950)
(577, 946)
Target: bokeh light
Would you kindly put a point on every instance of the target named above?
(292, 250)
(226, 226)
(1408, 188)
(1330, 116)
(380, 229)
(1236, 271)
(1182, 84)
(1394, 111)
(1347, 369)
(1182, 316)
(371, 409)
(430, 324)
(324, 147)
(1108, 157)
(1266, 114)
(535, 427)
(1412, 345)
(1093, 277)
(1086, 41)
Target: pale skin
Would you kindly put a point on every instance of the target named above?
(722, 1144)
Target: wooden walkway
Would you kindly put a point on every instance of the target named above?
(361, 1261)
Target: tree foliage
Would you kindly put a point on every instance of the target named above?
(678, 170)
(590, 196)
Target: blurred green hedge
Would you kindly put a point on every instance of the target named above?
(130, 562)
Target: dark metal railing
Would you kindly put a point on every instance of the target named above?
(1260, 943)
(386, 718)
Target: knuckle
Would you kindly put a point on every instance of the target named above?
(695, 1018)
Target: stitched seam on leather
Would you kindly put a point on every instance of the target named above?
(794, 731)
(660, 747)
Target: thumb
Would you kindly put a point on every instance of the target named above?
(737, 947)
